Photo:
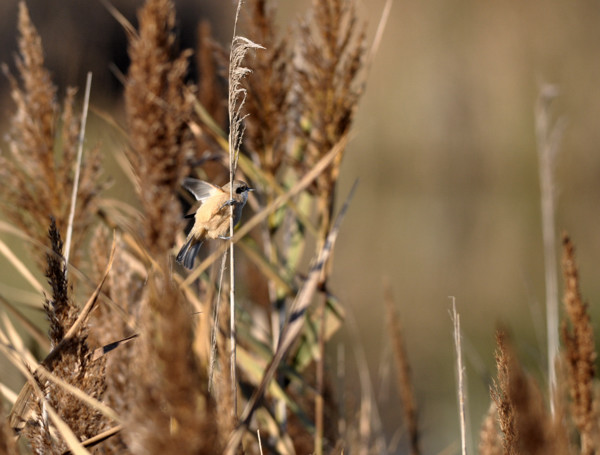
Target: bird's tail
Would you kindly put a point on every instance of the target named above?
(188, 253)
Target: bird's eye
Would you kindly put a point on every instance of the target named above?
(240, 190)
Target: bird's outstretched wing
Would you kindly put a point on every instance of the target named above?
(199, 188)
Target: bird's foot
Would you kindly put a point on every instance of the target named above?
(226, 204)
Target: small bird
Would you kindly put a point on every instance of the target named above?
(212, 216)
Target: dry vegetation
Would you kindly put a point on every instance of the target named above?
(139, 354)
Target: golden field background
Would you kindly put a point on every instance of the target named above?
(444, 147)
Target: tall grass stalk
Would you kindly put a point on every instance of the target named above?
(84, 115)
(460, 376)
(548, 140)
(236, 100)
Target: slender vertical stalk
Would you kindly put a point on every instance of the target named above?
(236, 100)
(319, 402)
(215, 328)
(232, 334)
(548, 138)
(86, 103)
(234, 140)
(460, 370)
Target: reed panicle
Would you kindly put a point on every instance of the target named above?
(158, 112)
(60, 309)
(173, 413)
(116, 319)
(580, 354)
(526, 424)
(37, 173)
(327, 69)
(71, 360)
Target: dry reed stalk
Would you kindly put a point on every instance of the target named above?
(267, 136)
(221, 387)
(460, 376)
(84, 115)
(36, 179)
(548, 140)
(405, 386)
(236, 101)
(216, 328)
(580, 354)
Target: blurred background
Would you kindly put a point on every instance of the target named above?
(444, 146)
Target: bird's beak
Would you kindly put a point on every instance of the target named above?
(251, 189)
